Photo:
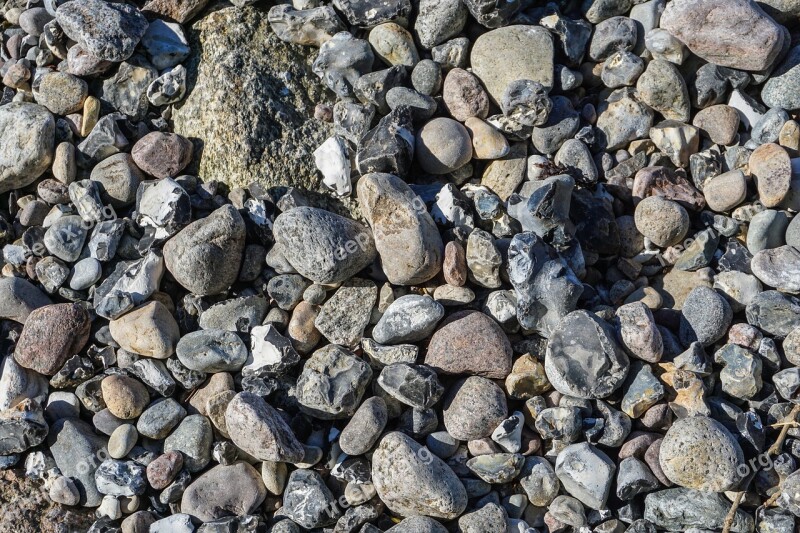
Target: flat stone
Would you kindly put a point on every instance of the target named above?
(193, 438)
(681, 509)
(778, 268)
(75, 448)
(410, 318)
(736, 34)
(212, 351)
(501, 56)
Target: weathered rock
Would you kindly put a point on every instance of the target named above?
(52, 334)
(473, 408)
(260, 430)
(27, 142)
(235, 83)
(106, 31)
(412, 485)
(210, 497)
(332, 383)
(729, 33)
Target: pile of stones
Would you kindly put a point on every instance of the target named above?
(566, 299)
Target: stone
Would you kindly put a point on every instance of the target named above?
(62, 93)
(162, 155)
(773, 312)
(169, 88)
(726, 191)
(393, 44)
(193, 438)
(409, 318)
(411, 485)
(75, 449)
(19, 298)
(699, 453)
(342, 319)
(122, 441)
(496, 467)
(463, 95)
(126, 91)
(341, 61)
(308, 501)
(662, 87)
(332, 159)
(662, 221)
(622, 69)
(438, 21)
(205, 256)
(211, 350)
(332, 383)
(148, 330)
(323, 246)
(163, 469)
(615, 34)
(771, 170)
(677, 140)
(406, 237)
(414, 385)
(64, 491)
(583, 358)
(442, 146)
(165, 44)
(259, 430)
(719, 123)
(309, 27)
(487, 141)
(586, 473)
(365, 427)
(470, 343)
(504, 55)
(124, 396)
(28, 143)
(231, 84)
(736, 34)
(106, 31)
(51, 335)
(638, 332)
(779, 268)
(120, 478)
(483, 259)
(778, 89)
(705, 317)
(160, 418)
(473, 408)
(680, 509)
(622, 118)
(490, 517)
(209, 496)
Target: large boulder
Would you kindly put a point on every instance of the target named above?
(251, 103)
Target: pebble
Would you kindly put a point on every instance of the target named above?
(662, 221)
(503, 55)
(583, 358)
(52, 334)
(771, 170)
(106, 31)
(705, 317)
(30, 130)
(470, 343)
(586, 473)
(211, 351)
(662, 87)
(699, 453)
(193, 438)
(365, 427)
(209, 496)
(62, 93)
(410, 485)
(473, 408)
(443, 145)
(719, 123)
(205, 256)
(394, 45)
(409, 318)
(259, 430)
(149, 330)
(779, 268)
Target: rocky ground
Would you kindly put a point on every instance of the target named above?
(408, 266)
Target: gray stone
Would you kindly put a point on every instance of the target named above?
(622, 118)
(586, 473)
(307, 500)
(27, 143)
(473, 408)
(411, 481)
(308, 27)
(76, 449)
(165, 44)
(583, 358)
(212, 350)
(120, 478)
(662, 87)
(193, 438)
(705, 317)
(615, 34)
(205, 256)
(332, 383)
(322, 246)
(410, 318)
(504, 55)
(235, 83)
(778, 268)
(341, 61)
(19, 298)
(363, 430)
(562, 123)
(126, 90)
(106, 31)
(439, 20)
(260, 430)
(680, 509)
(210, 497)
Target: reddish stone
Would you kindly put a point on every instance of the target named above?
(52, 334)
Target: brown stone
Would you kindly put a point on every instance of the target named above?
(164, 468)
(162, 155)
(470, 343)
(301, 329)
(125, 396)
(219, 382)
(215, 410)
(661, 181)
(637, 444)
(772, 171)
(527, 378)
(180, 11)
(52, 334)
(149, 330)
(463, 95)
(719, 123)
(455, 264)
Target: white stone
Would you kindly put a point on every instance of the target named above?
(110, 508)
(509, 433)
(267, 348)
(663, 45)
(746, 106)
(333, 160)
(446, 211)
(168, 88)
(177, 523)
(18, 383)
